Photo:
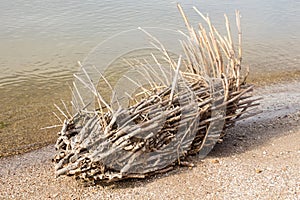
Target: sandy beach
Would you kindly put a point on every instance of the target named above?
(258, 159)
(128, 49)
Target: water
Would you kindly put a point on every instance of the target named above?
(41, 42)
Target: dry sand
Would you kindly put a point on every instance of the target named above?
(259, 159)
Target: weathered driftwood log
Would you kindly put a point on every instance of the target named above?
(169, 123)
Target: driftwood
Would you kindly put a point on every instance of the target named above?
(166, 122)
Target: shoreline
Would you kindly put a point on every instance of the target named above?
(21, 122)
(259, 158)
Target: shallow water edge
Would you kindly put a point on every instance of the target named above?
(22, 120)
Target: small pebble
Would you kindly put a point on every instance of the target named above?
(215, 161)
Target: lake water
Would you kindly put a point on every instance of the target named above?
(42, 40)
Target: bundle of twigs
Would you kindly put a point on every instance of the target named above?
(165, 122)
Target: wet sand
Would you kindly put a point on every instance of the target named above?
(22, 119)
(258, 159)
